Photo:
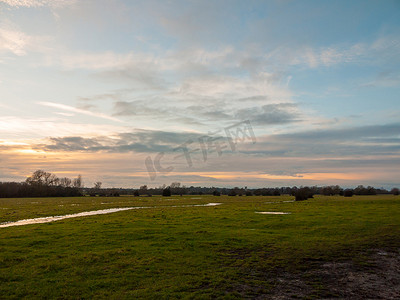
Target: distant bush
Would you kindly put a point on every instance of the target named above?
(267, 192)
(166, 192)
(249, 193)
(395, 191)
(112, 194)
(361, 190)
(276, 192)
(348, 193)
(303, 194)
(136, 193)
(232, 193)
(331, 190)
(216, 193)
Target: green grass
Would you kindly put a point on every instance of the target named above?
(183, 252)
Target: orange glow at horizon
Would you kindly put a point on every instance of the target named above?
(21, 159)
(299, 176)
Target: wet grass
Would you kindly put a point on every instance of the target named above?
(183, 252)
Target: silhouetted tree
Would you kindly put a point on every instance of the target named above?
(177, 189)
(143, 189)
(361, 190)
(216, 193)
(303, 194)
(45, 184)
(232, 192)
(348, 193)
(327, 191)
(166, 192)
(77, 182)
(42, 178)
(395, 191)
(65, 182)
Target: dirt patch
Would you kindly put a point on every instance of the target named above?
(379, 278)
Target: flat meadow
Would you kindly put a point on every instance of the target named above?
(171, 249)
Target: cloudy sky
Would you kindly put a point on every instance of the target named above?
(152, 92)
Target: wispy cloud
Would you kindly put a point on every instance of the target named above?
(365, 141)
(96, 61)
(79, 111)
(222, 111)
(20, 43)
(13, 41)
(12, 128)
(140, 141)
(387, 78)
(38, 3)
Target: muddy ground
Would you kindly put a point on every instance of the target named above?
(377, 278)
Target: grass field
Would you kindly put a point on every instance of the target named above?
(186, 252)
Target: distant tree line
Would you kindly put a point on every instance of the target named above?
(301, 193)
(42, 184)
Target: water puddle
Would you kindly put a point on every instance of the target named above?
(272, 213)
(108, 203)
(168, 199)
(89, 213)
(193, 205)
(276, 202)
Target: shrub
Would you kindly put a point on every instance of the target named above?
(395, 191)
(303, 194)
(276, 192)
(166, 192)
(348, 193)
(232, 193)
(217, 193)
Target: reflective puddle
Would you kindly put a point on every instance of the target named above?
(276, 202)
(272, 213)
(90, 213)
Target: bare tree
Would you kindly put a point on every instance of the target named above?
(77, 183)
(175, 185)
(45, 184)
(65, 182)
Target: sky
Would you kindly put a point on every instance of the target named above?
(206, 93)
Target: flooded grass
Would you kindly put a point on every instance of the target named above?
(190, 248)
(89, 213)
(272, 213)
